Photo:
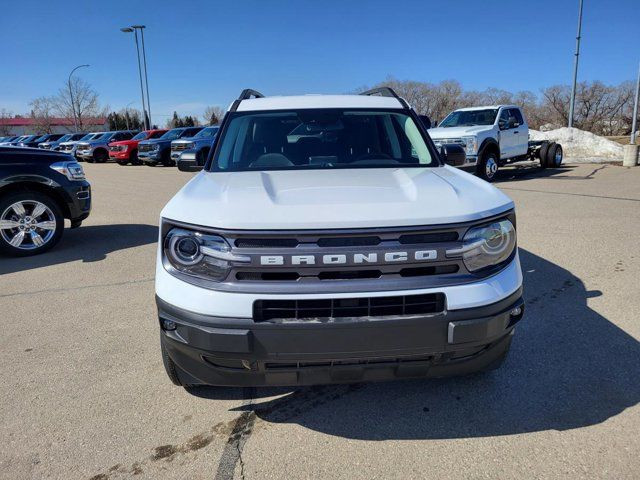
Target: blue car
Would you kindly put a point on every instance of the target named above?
(200, 144)
(158, 150)
(55, 144)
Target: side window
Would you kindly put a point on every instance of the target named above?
(503, 119)
(515, 112)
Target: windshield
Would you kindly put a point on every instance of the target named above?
(157, 134)
(40, 139)
(140, 136)
(207, 132)
(64, 138)
(88, 136)
(467, 118)
(172, 134)
(321, 138)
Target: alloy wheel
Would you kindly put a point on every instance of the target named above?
(27, 225)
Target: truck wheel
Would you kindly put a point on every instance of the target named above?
(554, 155)
(488, 166)
(100, 156)
(542, 154)
(30, 223)
(133, 158)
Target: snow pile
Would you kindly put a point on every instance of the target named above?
(581, 146)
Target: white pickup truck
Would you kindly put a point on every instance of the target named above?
(493, 136)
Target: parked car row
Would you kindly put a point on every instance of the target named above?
(151, 147)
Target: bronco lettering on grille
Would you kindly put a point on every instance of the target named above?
(354, 258)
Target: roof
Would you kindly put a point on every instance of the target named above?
(486, 107)
(55, 122)
(318, 101)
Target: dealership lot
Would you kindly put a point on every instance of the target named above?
(84, 393)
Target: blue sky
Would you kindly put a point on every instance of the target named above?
(203, 53)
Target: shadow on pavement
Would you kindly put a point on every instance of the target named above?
(529, 170)
(569, 367)
(89, 244)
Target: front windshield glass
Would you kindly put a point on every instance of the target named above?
(321, 138)
(90, 136)
(140, 136)
(206, 132)
(468, 118)
(41, 139)
(64, 138)
(172, 134)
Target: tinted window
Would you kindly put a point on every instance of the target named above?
(66, 137)
(515, 112)
(140, 136)
(207, 132)
(157, 134)
(322, 138)
(172, 134)
(190, 132)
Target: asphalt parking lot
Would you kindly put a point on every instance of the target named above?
(84, 394)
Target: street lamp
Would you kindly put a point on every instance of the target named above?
(146, 107)
(126, 114)
(73, 107)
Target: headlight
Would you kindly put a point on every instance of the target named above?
(72, 170)
(486, 245)
(199, 254)
(471, 145)
(156, 147)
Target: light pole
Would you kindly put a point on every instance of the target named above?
(73, 107)
(144, 108)
(632, 140)
(575, 66)
(126, 114)
(144, 59)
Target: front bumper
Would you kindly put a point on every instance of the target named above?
(77, 196)
(242, 352)
(154, 156)
(119, 155)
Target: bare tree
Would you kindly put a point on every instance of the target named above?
(213, 115)
(42, 112)
(85, 103)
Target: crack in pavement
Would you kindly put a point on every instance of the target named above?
(82, 287)
(242, 430)
(571, 194)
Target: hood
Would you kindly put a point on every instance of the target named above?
(323, 199)
(125, 142)
(153, 141)
(457, 132)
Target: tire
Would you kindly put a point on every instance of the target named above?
(50, 218)
(169, 366)
(542, 154)
(554, 155)
(100, 156)
(133, 158)
(122, 164)
(488, 166)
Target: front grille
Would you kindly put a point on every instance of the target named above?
(360, 362)
(66, 148)
(332, 308)
(181, 146)
(145, 148)
(459, 141)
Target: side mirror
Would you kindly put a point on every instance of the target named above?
(453, 154)
(188, 162)
(426, 121)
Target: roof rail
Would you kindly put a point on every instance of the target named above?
(246, 94)
(386, 92)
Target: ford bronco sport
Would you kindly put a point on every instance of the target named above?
(327, 240)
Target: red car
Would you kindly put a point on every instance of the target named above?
(126, 151)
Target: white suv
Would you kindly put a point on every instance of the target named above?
(325, 241)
